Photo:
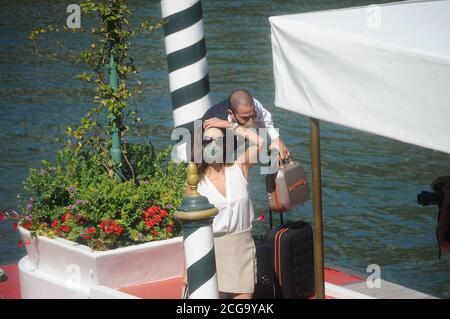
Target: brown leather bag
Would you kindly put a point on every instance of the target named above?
(291, 187)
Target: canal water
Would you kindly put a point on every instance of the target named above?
(370, 183)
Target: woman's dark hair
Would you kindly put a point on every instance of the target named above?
(203, 165)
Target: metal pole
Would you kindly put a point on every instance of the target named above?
(116, 152)
(317, 208)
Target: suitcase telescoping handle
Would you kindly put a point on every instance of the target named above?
(270, 187)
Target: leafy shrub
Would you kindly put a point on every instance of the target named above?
(75, 198)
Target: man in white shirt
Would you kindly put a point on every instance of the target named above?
(243, 109)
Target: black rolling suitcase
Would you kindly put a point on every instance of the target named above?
(293, 260)
(264, 288)
(285, 260)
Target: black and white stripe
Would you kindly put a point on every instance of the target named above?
(186, 58)
(200, 259)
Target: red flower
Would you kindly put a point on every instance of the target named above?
(110, 227)
(155, 209)
(163, 213)
(15, 226)
(169, 229)
(118, 230)
(154, 232)
(55, 224)
(107, 226)
(150, 223)
(20, 244)
(27, 225)
(64, 228)
(157, 219)
(151, 211)
(67, 216)
(89, 232)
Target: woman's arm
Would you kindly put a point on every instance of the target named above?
(251, 154)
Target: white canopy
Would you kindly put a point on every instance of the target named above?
(383, 69)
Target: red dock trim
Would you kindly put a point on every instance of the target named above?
(340, 278)
(10, 289)
(165, 289)
(171, 289)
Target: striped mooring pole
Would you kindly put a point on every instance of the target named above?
(187, 63)
(196, 215)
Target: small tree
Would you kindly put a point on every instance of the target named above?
(102, 191)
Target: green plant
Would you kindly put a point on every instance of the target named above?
(75, 198)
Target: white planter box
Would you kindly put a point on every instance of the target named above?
(78, 265)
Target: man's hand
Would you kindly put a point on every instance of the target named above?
(442, 180)
(215, 122)
(279, 145)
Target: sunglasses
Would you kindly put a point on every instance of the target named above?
(208, 139)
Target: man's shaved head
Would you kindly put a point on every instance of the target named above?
(242, 107)
(240, 97)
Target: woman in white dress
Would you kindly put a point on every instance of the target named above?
(226, 187)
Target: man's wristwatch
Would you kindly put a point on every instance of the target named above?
(234, 126)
